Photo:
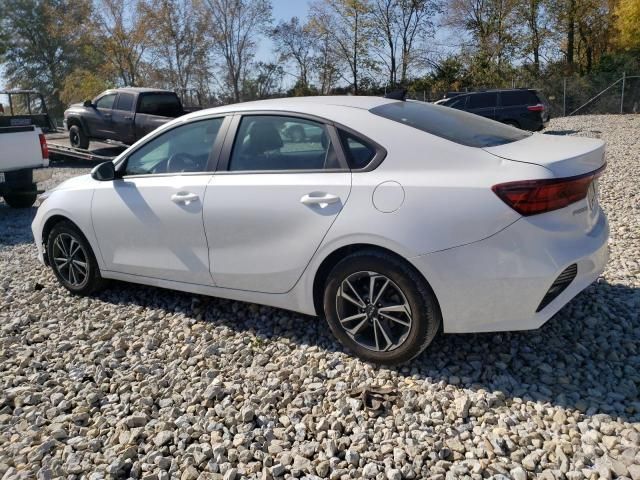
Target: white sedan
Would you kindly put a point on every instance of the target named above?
(392, 219)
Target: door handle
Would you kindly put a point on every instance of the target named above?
(184, 198)
(128, 118)
(322, 199)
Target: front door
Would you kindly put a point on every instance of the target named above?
(99, 118)
(122, 118)
(149, 222)
(267, 213)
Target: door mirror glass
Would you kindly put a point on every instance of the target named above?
(87, 103)
(104, 172)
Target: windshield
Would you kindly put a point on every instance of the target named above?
(454, 125)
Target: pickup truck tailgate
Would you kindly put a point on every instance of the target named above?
(19, 148)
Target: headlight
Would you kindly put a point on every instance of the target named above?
(42, 197)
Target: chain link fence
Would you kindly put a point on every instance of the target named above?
(584, 95)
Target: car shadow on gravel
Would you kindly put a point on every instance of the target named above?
(15, 225)
(587, 357)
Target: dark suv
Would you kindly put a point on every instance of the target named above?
(522, 108)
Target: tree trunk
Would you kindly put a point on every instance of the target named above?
(571, 32)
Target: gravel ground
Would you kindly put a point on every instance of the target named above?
(148, 383)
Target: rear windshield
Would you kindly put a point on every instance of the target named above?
(162, 104)
(454, 125)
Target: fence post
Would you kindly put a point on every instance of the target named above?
(622, 93)
(564, 97)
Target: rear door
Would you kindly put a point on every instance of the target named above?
(280, 186)
(122, 117)
(98, 118)
(483, 104)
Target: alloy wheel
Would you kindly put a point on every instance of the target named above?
(373, 311)
(70, 260)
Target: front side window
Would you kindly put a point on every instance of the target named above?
(106, 101)
(483, 100)
(457, 102)
(182, 149)
(454, 125)
(269, 142)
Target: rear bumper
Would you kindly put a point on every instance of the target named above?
(497, 284)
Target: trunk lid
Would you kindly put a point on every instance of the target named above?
(565, 156)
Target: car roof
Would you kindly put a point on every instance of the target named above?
(138, 90)
(318, 105)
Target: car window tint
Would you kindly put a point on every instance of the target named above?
(454, 125)
(125, 102)
(266, 142)
(524, 97)
(358, 152)
(106, 101)
(482, 100)
(182, 149)
(457, 102)
(161, 104)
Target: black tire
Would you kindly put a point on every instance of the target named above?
(78, 138)
(92, 281)
(20, 199)
(425, 318)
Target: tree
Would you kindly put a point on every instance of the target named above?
(177, 46)
(347, 26)
(233, 30)
(492, 25)
(266, 82)
(294, 41)
(42, 42)
(403, 24)
(123, 36)
(628, 24)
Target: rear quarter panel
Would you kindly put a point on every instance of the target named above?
(19, 148)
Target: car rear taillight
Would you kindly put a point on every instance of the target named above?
(43, 147)
(530, 197)
(536, 108)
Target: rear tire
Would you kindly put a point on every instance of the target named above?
(20, 199)
(393, 325)
(77, 137)
(72, 260)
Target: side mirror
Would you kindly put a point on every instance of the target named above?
(87, 103)
(104, 172)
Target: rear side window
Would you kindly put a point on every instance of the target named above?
(483, 100)
(524, 97)
(125, 102)
(162, 104)
(359, 153)
(277, 143)
(454, 125)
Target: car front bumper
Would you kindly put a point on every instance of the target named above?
(498, 283)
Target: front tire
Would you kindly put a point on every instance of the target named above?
(380, 308)
(72, 260)
(78, 138)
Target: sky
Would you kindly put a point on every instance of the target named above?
(282, 10)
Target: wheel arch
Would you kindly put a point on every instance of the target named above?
(77, 121)
(332, 259)
(54, 220)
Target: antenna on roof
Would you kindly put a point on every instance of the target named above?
(399, 94)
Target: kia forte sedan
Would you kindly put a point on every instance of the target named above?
(391, 219)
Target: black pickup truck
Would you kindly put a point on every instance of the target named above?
(123, 114)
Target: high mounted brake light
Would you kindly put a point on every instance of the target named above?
(530, 197)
